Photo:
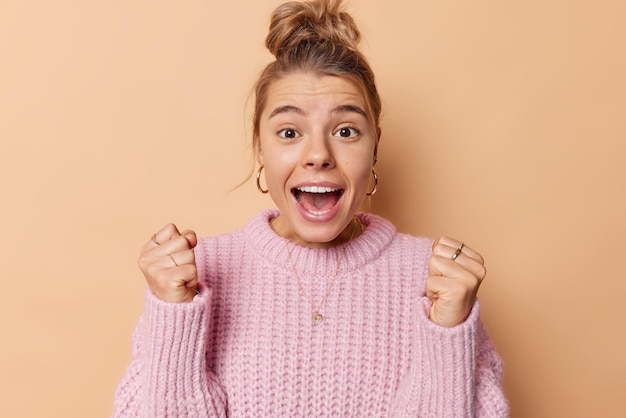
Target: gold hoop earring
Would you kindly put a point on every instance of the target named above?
(258, 181)
(375, 183)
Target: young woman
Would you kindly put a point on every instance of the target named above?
(312, 309)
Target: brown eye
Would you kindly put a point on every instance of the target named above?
(288, 133)
(346, 132)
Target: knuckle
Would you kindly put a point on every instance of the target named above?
(189, 232)
(152, 271)
(433, 261)
(171, 229)
(181, 244)
(146, 264)
(142, 262)
(473, 284)
(448, 240)
(482, 272)
(438, 250)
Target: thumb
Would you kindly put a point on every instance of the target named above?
(191, 237)
(432, 268)
(436, 265)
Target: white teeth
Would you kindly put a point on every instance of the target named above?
(316, 189)
(318, 213)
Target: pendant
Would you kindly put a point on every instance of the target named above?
(317, 318)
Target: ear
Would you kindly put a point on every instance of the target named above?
(376, 146)
(258, 155)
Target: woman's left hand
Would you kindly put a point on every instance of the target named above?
(453, 282)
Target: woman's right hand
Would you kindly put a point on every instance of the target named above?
(169, 264)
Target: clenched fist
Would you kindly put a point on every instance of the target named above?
(169, 264)
(453, 281)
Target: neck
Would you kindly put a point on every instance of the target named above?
(351, 231)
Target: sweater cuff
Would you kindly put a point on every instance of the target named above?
(448, 357)
(175, 336)
(432, 329)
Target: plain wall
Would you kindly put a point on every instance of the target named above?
(504, 125)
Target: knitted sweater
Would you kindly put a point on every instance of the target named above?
(246, 346)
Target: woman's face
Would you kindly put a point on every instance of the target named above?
(318, 149)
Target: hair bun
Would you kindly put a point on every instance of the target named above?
(316, 21)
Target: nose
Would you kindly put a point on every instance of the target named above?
(318, 153)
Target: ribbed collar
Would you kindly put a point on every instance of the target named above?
(319, 261)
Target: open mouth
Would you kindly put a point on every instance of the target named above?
(317, 200)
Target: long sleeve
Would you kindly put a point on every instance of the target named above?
(246, 346)
(455, 372)
(168, 374)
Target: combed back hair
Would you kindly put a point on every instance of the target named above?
(318, 37)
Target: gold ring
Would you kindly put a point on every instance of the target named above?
(457, 252)
(153, 238)
(173, 261)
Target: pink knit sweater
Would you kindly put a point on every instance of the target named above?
(247, 347)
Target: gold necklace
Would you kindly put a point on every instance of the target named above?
(317, 316)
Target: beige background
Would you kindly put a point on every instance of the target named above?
(504, 126)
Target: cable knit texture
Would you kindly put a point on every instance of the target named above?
(247, 347)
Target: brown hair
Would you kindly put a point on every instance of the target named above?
(315, 36)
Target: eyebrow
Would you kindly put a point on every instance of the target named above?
(349, 109)
(338, 109)
(286, 109)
